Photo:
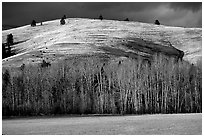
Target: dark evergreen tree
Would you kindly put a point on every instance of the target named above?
(9, 39)
(62, 21)
(3, 51)
(126, 19)
(101, 17)
(64, 17)
(33, 23)
(9, 43)
(157, 22)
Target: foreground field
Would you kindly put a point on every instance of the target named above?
(177, 124)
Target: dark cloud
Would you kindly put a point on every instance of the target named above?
(194, 6)
(175, 14)
(127, 6)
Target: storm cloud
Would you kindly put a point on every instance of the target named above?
(194, 6)
(183, 14)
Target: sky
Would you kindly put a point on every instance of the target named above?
(184, 14)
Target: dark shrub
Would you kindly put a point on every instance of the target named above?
(45, 64)
(101, 17)
(64, 17)
(22, 66)
(157, 22)
(33, 23)
(62, 21)
(126, 19)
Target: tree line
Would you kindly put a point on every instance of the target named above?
(89, 86)
(62, 20)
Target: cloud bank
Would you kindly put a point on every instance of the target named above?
(185, 14)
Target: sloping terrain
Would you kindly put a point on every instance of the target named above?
(52, 41)
(6, 27)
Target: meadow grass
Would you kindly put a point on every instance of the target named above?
(89, 86)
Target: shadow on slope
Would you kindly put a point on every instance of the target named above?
(136, 47)
(6, 52)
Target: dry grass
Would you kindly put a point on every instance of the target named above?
(157, 124)
(84, 36)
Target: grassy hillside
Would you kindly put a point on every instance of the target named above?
(51, 41)
(93, 66)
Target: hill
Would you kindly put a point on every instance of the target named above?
(92, 69)
(52, 41)
(6, 27)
